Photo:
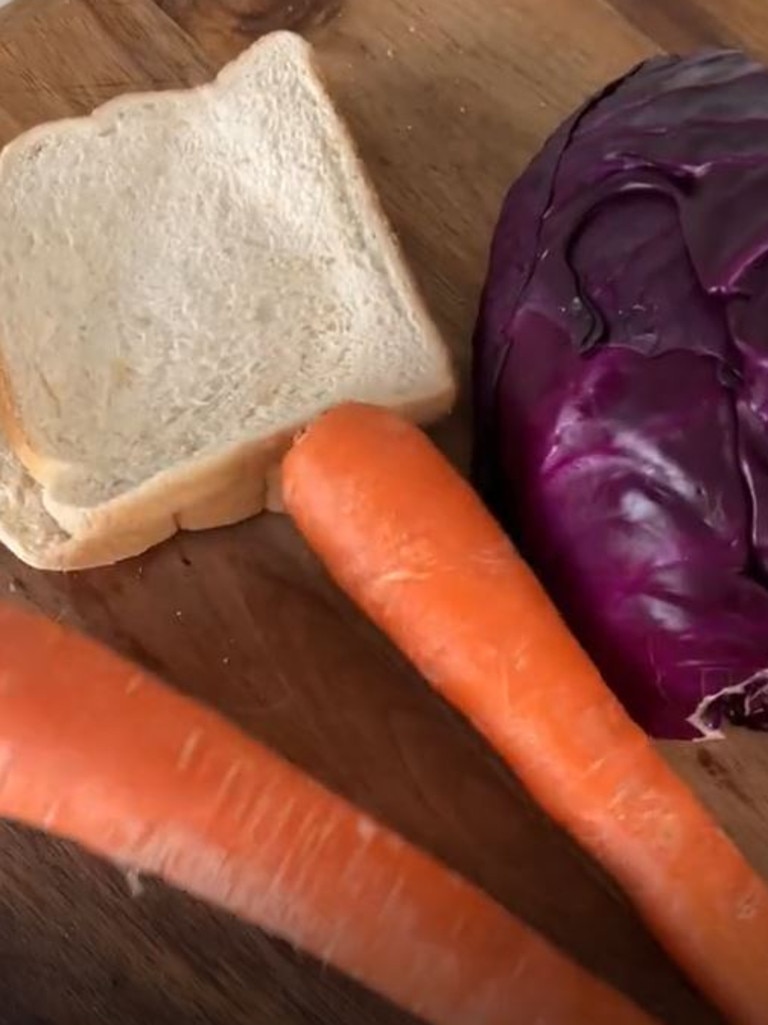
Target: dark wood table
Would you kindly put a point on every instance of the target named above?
(448, 99)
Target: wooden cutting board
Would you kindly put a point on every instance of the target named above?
(448, 99)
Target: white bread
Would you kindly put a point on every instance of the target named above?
(185, 279)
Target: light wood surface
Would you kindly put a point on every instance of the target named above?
(448, 99)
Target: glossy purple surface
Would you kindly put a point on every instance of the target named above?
(621, 374)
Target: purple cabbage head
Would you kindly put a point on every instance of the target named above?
(621, 386)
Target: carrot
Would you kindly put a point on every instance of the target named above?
(410, 542)
(95, 750)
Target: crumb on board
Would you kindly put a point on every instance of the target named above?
(135, 885)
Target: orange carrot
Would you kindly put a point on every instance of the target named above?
(98, 751)
(411, 543)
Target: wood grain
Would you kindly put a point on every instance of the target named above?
(447, 99)
(225, 27)
(677, 27)
(43, 72)
(689, 24)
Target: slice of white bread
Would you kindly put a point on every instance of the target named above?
(185, 279)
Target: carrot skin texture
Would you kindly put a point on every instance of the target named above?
(95, 750)
(409, 541)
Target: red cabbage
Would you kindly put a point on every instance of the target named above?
(621, 385)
